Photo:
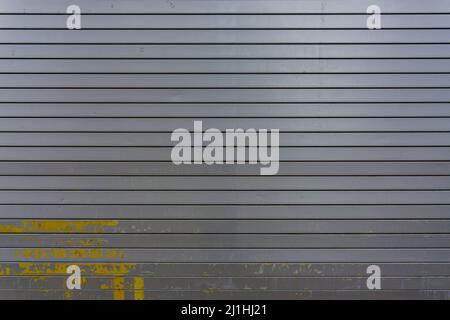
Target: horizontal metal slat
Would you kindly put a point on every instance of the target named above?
(218, 110)
(259, 66)
(285, 154)
(161, 139)
(226, 241)
(216, 226)
(225, 95)
(211, 212)
(240, 6)
(224, 197)
(232, 295)
(223, 183)
(124, 21)
(326, 168)
(253, 270)
(223, 36)
(152, 284)
(229, 51)
(224, 81)
(168, 125)
(225, 255)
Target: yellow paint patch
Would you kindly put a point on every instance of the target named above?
(32, 268)
(68, 294)
(61, 226)
(73, 242)
(139, 288)
(40, 279)
(119, 288)
(41, 290)
(5, 270)
(90, 242)
(110, 268)
(120, 285)
(42, 253)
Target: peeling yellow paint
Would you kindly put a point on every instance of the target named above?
(41, 290)
(91, 242)
(111, 268)
(62, 226)
(120, 285)
(71, 242)
(32, 268)
(40, 279)
(119, 288)
(5, 270)
(41, 271)
(40, 253)
(209, 290)
(139, 288)
(68, 294)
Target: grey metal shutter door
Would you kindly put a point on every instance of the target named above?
(86, 177)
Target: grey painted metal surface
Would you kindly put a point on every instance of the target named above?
(85, 171)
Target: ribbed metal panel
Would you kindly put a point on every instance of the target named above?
(86, 176)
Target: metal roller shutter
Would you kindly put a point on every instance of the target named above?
(86, 176)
